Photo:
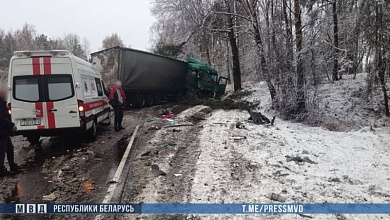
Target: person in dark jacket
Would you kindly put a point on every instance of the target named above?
(117, 99)
(7, 128)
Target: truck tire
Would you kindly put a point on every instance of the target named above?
(140, 102)
(33, 139)
(149, 100)
(157, 99)
(127, 104)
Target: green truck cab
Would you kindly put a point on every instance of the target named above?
(204, 79)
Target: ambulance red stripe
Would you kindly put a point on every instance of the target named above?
(47, 65)
(36, 66)
(50, 115)
(38, 105)
(49, 105)
(93, 105)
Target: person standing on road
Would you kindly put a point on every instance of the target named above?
(7, 128)
(117, 99)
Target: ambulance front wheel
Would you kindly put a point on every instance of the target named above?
(33, 139)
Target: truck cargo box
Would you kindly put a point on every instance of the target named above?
(144, 75)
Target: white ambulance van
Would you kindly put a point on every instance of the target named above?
(52, 93)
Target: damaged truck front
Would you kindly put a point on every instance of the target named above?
(205, 80)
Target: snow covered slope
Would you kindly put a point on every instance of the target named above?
(346, 101)
(341, 106)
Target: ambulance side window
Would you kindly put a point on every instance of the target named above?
(105, 90)
(85, 86)
(99, 87)
(93, 88)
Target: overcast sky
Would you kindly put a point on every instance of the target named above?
(93, 19)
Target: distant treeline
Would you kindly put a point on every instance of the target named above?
(27, 38)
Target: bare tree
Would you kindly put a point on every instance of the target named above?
(382, 55)
(86, 45)
(42, 42)
(233, 45)
(335, 74)
(25, 38)
(301, 101)
(251, 8)
(112, 40)
(73, 44)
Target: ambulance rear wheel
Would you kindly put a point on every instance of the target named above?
(92, 132)
(33, 139)
(108, 117)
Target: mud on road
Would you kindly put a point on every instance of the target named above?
(73, 170)
(163, 169)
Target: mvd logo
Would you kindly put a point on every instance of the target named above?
(30, 208)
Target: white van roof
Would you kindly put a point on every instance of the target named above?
(52, 53)
(41, 53)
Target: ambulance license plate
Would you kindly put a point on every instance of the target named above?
(30, 122)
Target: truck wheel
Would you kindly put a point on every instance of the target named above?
(33, 139)
(149, 100)
(140, 100)
(127, 104)
(157, 99)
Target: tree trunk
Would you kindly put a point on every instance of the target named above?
(335, 75)
(228, 61)
(260, 47)
(357, 58)
(289, 44)
(235, 51)
(301, 101)
(290, 52)
(381, 61)
(381, 73)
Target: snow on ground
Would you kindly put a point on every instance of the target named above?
(346, 102)
(351, 167)
(343, 103)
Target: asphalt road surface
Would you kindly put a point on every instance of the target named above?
(74, 170)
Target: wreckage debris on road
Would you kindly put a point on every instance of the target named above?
(300, 160)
